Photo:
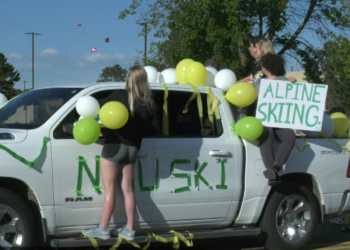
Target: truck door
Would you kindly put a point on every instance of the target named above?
(78, 188)
(199, 179)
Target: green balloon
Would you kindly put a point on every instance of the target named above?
(86, 131)
(249, 128)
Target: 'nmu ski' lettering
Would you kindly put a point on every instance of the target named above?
(198, 176)
(95, 181)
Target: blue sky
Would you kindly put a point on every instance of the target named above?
(63, 50)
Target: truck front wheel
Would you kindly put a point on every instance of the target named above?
(290, 218)
(17, 225)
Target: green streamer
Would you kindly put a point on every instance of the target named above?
(233, 128)
(180, 190)
(223, 174)
(30, 164)
(178, 161)
(142, 188)
(175, 175)
(95, 181)
(157, 175)
(198, 176)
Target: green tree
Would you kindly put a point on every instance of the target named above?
(113, 74)
(334, 70)
(8, 77)
(201, 29)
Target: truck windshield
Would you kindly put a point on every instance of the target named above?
(32, 109)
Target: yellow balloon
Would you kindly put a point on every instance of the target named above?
(341, 124)
(242, 94)
(114, 115)
(196, 74)
(180, 71)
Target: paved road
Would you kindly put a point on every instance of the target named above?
(328, 236)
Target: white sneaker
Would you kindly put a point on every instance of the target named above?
(98, 232)
(127, 234)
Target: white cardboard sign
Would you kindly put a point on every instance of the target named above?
(282, 104)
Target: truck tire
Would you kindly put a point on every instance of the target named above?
(17, 224)
(291, 217)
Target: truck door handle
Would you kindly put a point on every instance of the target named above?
(142, 154)
(219, 153)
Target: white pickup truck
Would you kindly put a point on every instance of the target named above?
(195, 176)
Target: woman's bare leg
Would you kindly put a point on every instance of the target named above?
(109, 173)
(129, 195)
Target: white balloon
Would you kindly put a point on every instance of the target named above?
(211, 76)
(3, 98)
(225, 79)
(327, 125)
(152, 74)
(87, 106)
(158, 75)
(168, 76)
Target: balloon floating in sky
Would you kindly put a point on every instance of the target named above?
(94, 50)
(106, 40)
(79, 24)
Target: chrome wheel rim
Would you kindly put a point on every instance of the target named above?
(293, 218)
(11, 228)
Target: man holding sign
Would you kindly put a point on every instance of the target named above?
(283, 106)
(273, 67)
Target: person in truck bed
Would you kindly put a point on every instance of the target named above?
(273, 67)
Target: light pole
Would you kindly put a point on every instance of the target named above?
(32, 33)
(145, 55)
(24, 85)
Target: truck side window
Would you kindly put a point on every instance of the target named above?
(185, 124)
(65, 129)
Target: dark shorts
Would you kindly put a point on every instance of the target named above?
(119, 153)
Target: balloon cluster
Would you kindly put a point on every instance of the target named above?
(190, 72)
(87, 129)
(244, 94)
(335, 125)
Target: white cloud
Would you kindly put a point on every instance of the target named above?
(14, 56)
(49, 52)
(104, 58)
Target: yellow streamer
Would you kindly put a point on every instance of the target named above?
(117, 244)
(165, 112)
(199, 104)
(133, 243)
(336, 143)
(210, 113)
(176, 239)
(93, 242)
(212, 105)
(306, 144)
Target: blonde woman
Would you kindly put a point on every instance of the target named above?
(120, 149)
(263, 47)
